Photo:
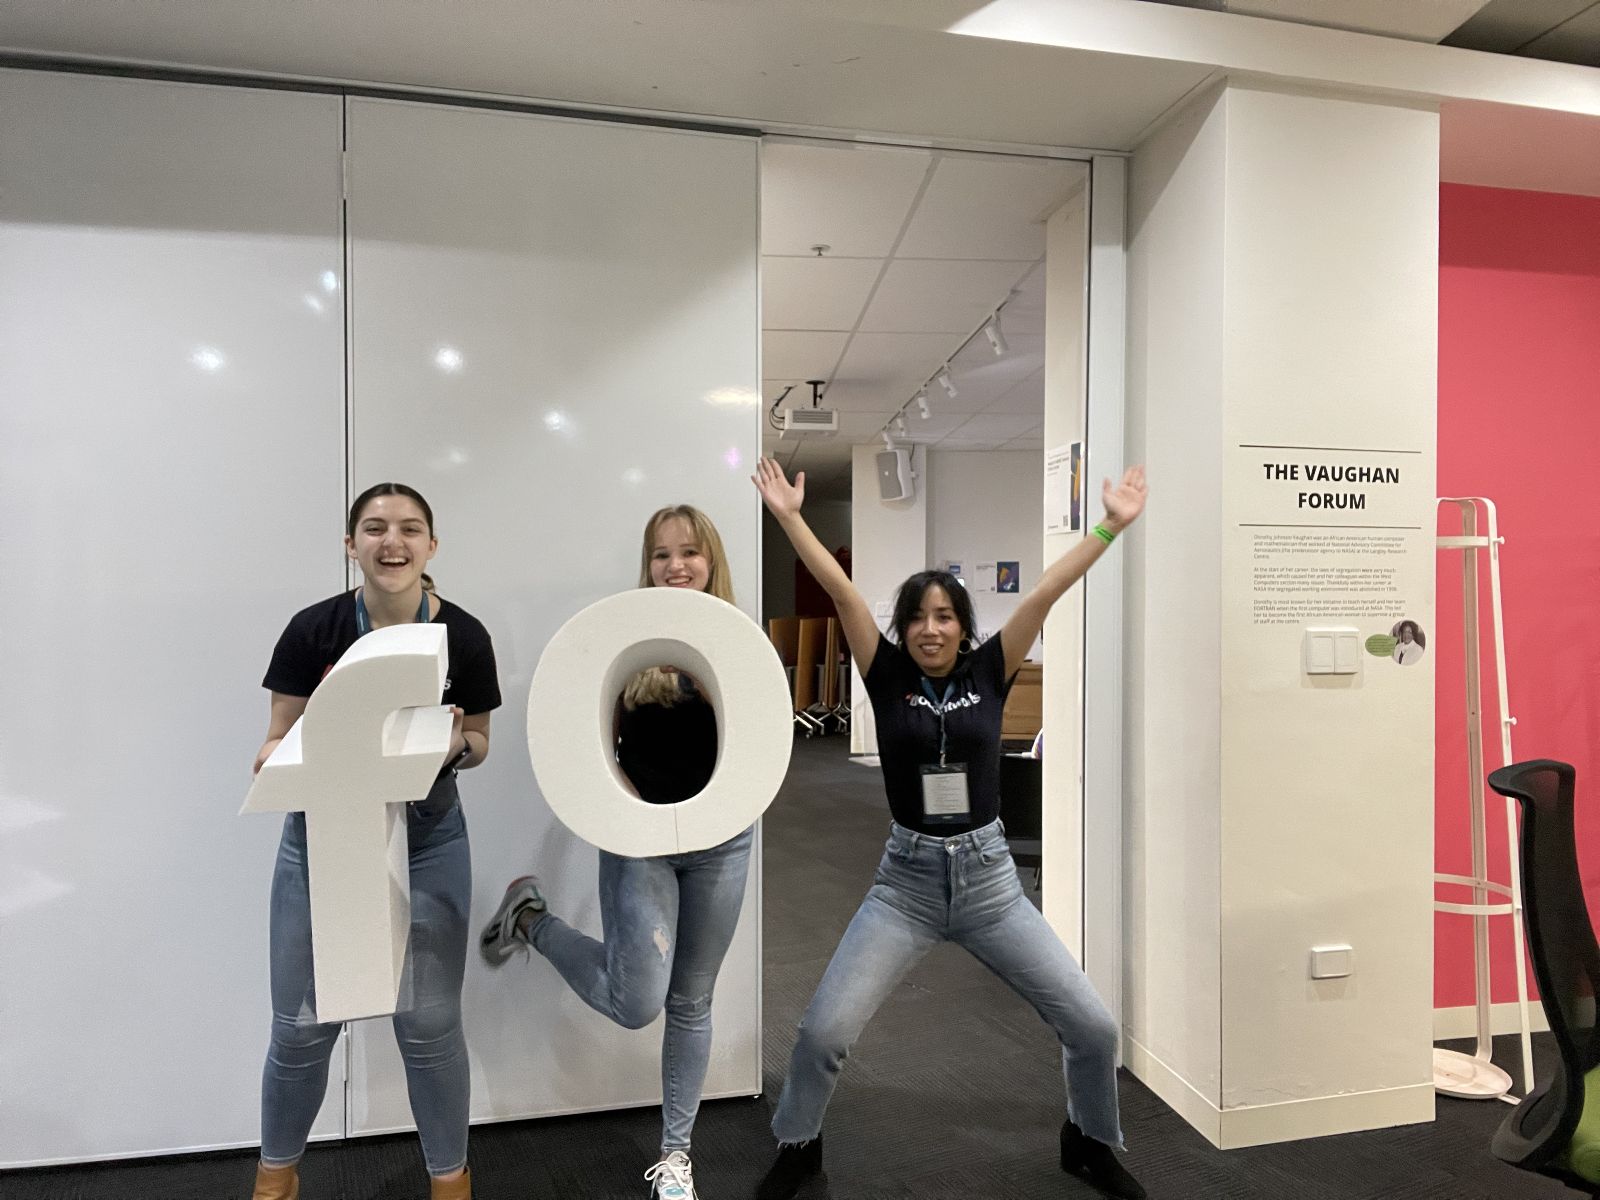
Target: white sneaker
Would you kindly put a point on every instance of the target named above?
(672, 1178)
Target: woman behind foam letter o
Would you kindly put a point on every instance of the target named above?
(389, 535)
(669, 920)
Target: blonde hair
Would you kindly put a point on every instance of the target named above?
(655, 686)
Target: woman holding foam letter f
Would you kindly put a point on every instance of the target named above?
(947, 873)
(389, 535)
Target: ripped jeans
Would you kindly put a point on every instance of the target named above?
(667, 924)
(428, 1025)
(962, 889)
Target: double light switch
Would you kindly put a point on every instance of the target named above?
(1331, 650)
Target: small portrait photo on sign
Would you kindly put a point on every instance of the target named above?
(1409, 642)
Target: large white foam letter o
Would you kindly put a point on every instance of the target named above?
(573, 697)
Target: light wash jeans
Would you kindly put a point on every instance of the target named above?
(962, 889)
(428, 1031)
(667, 925)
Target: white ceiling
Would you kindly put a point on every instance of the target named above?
(1559, 30)
(1555, 30)
(763, 63)
(923, 246)
(1415, 20)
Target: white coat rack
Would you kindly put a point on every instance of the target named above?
(1474, 1076)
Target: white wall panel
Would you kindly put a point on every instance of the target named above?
(555, 333)
(984, 506)
(171, 480)
(888, 542)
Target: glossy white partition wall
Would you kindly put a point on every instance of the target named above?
(554, 333)
(171, 480)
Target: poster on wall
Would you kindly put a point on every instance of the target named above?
(1075, 512)
(1328, 532)
(1063, 488)
(1007, 577)
(984, 578)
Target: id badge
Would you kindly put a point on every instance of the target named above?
(944, 793)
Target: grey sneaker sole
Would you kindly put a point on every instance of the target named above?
(500, 937)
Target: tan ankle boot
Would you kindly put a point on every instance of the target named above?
(459, 1188)
(276, 1183)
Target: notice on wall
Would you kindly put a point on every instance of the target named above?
(1329, 530)
(1063, 488)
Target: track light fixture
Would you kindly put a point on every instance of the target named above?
(947, 383)
(888, 442)
(922, 404)
(900, 423)
(997, 339)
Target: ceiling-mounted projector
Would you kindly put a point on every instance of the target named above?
(815, 419)
(810, 420)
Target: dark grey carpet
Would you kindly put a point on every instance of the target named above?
(954, 1091)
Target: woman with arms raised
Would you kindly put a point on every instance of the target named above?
(947, 873)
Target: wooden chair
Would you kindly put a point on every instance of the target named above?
(784, 633)
(810, 662)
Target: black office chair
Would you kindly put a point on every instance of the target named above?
(1021, 810)
(1555, 1130)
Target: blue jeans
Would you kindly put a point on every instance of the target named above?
(962, 889)
(667, 925)
(429, 1031)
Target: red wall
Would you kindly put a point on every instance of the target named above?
(1519, 422)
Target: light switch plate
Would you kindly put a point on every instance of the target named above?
(1332, 962)
(1331, 650)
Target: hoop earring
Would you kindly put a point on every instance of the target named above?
(964, 646)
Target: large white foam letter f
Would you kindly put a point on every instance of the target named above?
(373, 737)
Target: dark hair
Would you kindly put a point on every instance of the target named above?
(909, 598)
(391, 489)
(1416, 632)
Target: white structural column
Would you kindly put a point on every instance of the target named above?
(1102, 622)
(1066, 358)
(1282, 307)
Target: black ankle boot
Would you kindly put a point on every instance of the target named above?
(789, 1172)
(1096, 1164)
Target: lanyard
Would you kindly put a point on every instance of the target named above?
(939, 705)
(364, 622)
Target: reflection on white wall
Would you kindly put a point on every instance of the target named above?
(171, 490)
(595, 285)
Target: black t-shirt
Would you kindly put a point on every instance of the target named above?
(908, 730)
(316, 637)
(669, 751)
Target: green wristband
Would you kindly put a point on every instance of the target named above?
(1104, 534)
